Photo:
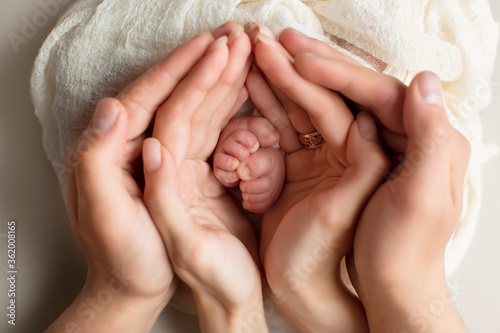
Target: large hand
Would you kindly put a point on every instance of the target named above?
(398, 265)
(311, 228)
(210, 244)
(113, 226)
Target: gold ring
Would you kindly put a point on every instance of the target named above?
(311, 140)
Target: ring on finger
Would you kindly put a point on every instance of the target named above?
(311, 140)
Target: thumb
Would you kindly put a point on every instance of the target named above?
(97, 154)
(161, 193)
(428, 153)
(367, 166)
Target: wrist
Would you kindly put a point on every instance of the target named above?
(105, 307)
(421, 304)
(246, 316)
(318, 307)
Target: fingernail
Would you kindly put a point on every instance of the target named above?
(271, 134)
(220, 42)
(266, 40)
(367, 127)
(430, 89)
(152, 154)
(265, 30)
(244, 172)
(298, 33)
(274, 136)
(251, 26)
(105, 116)
(235, 34)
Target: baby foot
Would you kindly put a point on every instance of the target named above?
(245, 156)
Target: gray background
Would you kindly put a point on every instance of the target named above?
(51, 268)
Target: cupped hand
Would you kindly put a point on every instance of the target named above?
(311, 228)
(211, 246)
(113, 226)
(398, 261)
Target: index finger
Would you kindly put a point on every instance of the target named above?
(144, 96)
(318, 101)
(382, 94)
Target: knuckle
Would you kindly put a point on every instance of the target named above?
(84, 153)
(331, 215)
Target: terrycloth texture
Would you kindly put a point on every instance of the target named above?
(99, 46)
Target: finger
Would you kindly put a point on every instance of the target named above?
(432, 142)
(327, 110)
(98, 174)
(226, 93)
(242, 98)
(253, 30)
(260, 163)
(367, 167)
(265, 100)
(298, 116)
(296, 42)
(382, 94)
(174, 117)
(224, 30)
(161, 195)
(143, 97)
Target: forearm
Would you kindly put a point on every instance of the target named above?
(425, 307)
(107, 309)
(215, 317)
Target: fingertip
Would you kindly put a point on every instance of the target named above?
(367, 126)
(152, 155)
(424, 113)
(105, 114)
(219, 43)
(363, 147)
(243, 172)
(430, 88)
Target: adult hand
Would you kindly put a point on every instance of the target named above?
(211, 246)
(113, 226)
(310, 229)
(398, 266)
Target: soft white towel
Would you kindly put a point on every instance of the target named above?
(99, 46)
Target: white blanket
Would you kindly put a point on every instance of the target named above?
(99, 46)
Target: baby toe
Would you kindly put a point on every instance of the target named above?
(227, 178)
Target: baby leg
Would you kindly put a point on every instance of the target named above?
(245, 156)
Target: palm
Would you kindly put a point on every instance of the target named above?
(223, 248)
(312, 177)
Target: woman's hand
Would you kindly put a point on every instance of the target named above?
(398, 266)
(211, 246)
(129, 275)
(311, 228)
